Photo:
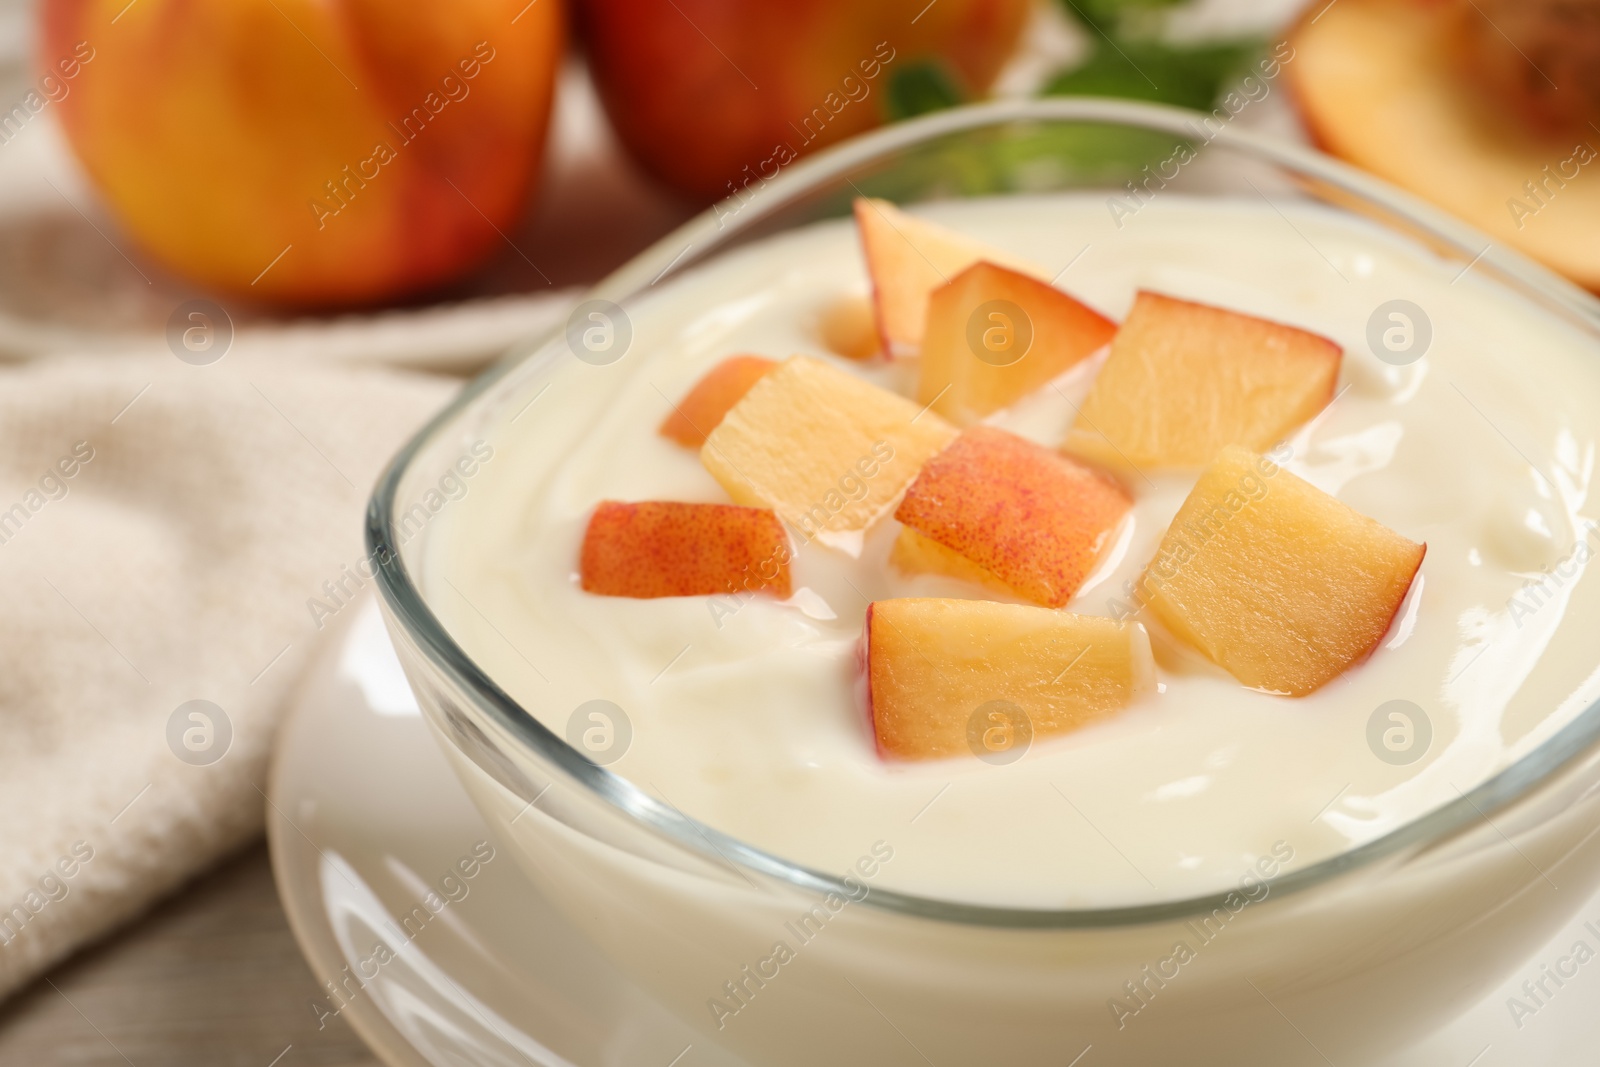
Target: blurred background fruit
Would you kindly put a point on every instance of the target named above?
(1539, 59)
(1490, 109)
(712, 94)
(314, 153)
(324, 155)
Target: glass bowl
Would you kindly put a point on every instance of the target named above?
(1338, 961)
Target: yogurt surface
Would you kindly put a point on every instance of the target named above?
(745, 713)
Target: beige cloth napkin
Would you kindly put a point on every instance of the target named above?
(205, 506)
(162, 527)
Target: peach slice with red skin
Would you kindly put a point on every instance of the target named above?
(1277, 582)
(703, 407)
(1030, 519)
(934, 666)
(994, 335)
(909, 257)
(1185, 380)
(661, 548)
(828, 452)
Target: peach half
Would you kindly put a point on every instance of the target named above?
(999, 509)
(1277, 582)
(1185, 380)
(951, 677)
(663, 548)
(993, 335)
(1377, 84)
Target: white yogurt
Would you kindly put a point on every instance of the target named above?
(746, 716)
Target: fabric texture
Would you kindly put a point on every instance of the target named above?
(163, 530)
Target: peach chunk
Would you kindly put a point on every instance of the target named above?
(994, 335)
(662, 548)
(908, 258)
(828, 452)
(848, 328)
(1273, 579)
(1032, 520)
(914, 554)
(1186, 380)
(947, 677)
(702, 408)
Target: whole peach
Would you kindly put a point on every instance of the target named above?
(712, 94)
(306, 152)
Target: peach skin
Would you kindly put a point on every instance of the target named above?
(662, 548)
(1022, 515)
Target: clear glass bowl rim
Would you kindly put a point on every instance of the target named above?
(707, 233)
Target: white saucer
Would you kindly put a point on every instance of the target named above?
(366, 817)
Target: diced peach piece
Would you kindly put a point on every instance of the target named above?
(828, 452)
(1277, 582)
(703, 407)
(914, 554)
(908, 258)
(1185, 380)
(661, 548)
(994, 335)
(1031, 519)
(849, 329)
(952, 677)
